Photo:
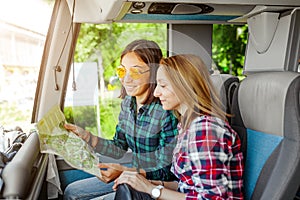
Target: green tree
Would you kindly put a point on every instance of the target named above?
(229, 44)
(106, 41)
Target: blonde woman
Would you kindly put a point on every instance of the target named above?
(207, 160)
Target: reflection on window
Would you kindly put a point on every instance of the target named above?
(86, 105)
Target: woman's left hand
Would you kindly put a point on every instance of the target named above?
(110, 171)
(135, 180)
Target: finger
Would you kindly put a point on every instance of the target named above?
(105, 174)
(103, 166)
(130, 173)
(71, 127)
(124, 179)
(113, 166)
(114, 187)
(67, 126)
(83, 134)
(116, 166)
(100, 165)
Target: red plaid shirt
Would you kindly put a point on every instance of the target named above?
(208, 160)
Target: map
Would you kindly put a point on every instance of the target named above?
(55, 139)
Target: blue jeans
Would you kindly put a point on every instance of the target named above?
(87, 189)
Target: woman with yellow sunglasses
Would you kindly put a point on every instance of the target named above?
(144, 126)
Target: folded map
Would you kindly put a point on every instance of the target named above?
(55, 139)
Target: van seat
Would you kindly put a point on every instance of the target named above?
(225, 85)
(266, 108)
(24, 176)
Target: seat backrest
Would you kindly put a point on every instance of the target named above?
(266, 108)
(225, 84)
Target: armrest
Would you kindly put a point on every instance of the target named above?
(24, 175)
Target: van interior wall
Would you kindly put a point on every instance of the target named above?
(282, 52)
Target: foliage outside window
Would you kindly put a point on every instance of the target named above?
(229, 44)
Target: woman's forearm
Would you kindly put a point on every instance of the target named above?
(172, 185)
(167, 194)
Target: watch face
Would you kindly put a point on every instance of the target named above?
(156, 192)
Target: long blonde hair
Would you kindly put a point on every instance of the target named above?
(191, 81)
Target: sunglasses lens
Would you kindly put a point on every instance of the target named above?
(134, 73)
(121, 71)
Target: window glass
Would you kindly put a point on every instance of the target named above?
(22, 37)
(92, 95)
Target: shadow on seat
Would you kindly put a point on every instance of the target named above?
(267, 117)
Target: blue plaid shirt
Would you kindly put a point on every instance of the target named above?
(150, 134)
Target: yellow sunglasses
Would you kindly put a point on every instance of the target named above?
(134, 72)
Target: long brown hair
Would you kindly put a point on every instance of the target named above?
(190, 79)
(150, 53)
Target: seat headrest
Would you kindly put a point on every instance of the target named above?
(269, 101)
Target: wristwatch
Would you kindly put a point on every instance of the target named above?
(155, 193)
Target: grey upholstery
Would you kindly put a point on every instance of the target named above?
(24, 175)
(266, 109)
(225, 85)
